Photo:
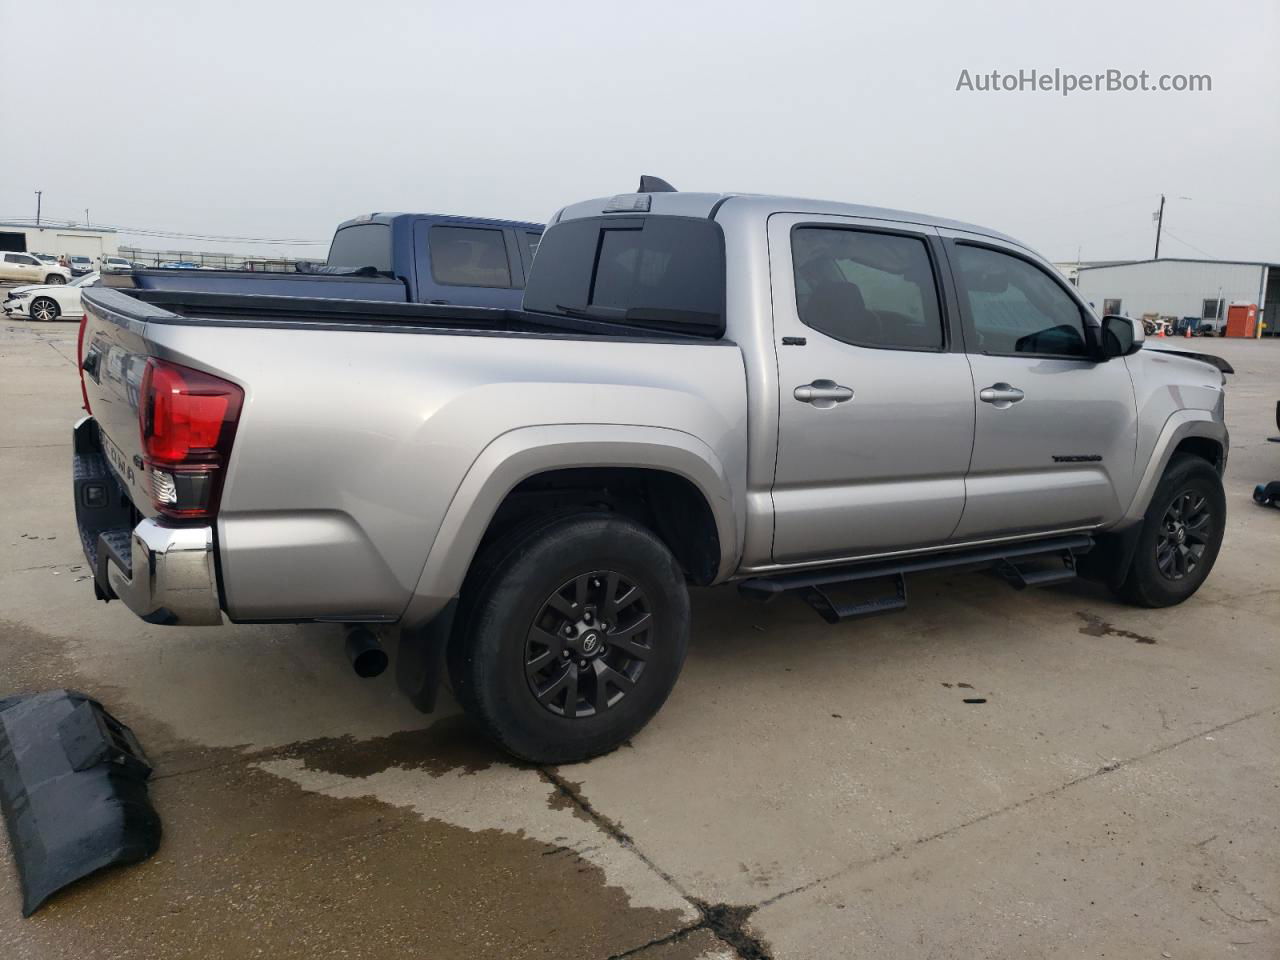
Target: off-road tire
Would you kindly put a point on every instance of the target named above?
(508, 588)
(1145, 585)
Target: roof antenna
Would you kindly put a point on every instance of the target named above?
(650, 184)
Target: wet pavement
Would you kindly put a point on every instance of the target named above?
(989, 774)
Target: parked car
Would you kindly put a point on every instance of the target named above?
(45, 257)
(396, 257)
(179, 265)
(114, 265)
(792, 395)
(80, 266)
(28, 268)
(48, 302)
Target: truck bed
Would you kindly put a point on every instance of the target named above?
(238, 309)
(361, 421)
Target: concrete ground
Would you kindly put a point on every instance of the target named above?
(990, 774)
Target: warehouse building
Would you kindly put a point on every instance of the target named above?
(50, 238)
(1176, 289)
(1071, 268)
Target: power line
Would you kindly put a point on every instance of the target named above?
(168, 234)
(1170, 233)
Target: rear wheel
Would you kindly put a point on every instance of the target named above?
(1181, 535)
(55, 278)
(44, 309)
(571, 635)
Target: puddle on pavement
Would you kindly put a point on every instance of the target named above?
(418, 844)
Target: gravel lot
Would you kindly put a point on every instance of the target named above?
(808, 791)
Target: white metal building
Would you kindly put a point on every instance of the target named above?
(1071, 268)
(55, 239)
(1184, 288)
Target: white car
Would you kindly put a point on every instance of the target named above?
(46, 302)
(114, 265)
(27, 267)
(81, 265)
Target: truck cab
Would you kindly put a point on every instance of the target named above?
(442, 259)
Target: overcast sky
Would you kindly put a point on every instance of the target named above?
(280, 119)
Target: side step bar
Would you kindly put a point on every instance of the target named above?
(1033, 563)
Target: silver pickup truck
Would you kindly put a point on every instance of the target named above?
(799, 396)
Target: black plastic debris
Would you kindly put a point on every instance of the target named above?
(73, 789)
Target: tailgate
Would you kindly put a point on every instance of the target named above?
(114, 356)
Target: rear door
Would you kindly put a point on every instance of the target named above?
(1055, 430)
(876, 405)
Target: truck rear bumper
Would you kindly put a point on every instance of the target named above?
(164, 574)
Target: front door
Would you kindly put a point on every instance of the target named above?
(1056, 435)
(876, 405)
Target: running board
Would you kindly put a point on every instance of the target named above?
(1013, 561)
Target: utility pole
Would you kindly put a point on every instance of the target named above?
(38, 194)
(86, 216)
(1159, 225)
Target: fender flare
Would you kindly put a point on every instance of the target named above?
(518, 454)
(1180, 425)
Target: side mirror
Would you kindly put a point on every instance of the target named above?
(1121, 336)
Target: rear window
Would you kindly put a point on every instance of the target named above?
(469, 257)
(362, 245)
(660, 272)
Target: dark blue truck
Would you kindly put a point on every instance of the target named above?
(398, 257)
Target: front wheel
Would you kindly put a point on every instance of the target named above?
(571, 635)
(55, 278)
(1181, 535)
(44, 309)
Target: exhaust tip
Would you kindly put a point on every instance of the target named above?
(365, 652)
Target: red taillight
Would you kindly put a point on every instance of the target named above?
(84, 392)
(188, 420)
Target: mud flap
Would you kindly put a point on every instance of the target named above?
(73, 789)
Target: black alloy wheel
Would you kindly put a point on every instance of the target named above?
(1184, 534)
(589, 644)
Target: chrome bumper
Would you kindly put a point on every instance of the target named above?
(171, 578)
(164, 574)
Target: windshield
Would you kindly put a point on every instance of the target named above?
(88, 280)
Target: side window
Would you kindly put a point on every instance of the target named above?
(469, 257)
(868, 289)
(1014, 307)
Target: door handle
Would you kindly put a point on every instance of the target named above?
(1000, 395)
(823, 393)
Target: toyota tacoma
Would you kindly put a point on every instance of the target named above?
(797, 396)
